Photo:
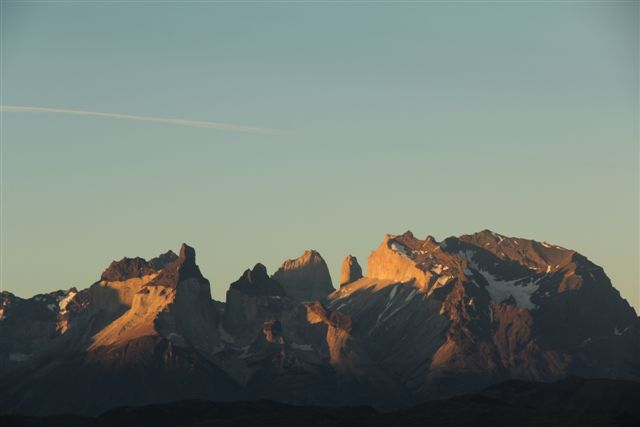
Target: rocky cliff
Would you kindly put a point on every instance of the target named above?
(305, 278)
(351, 270)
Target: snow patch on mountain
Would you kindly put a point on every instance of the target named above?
(502, 290)
(393, 306)
(304, 347)
(619, 332)
(393, 292)
(400, 248)
(413, 293)
(63, 301)
(19, 357)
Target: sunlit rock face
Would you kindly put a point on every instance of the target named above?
(485, 308)
(32, 326)
(305, 278)
(396, 259)
(141, 332)
(351, 270)
(114, 293)
(173, 302)
(430, 320)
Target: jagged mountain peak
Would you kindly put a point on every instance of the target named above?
(187, 263)
(409, 236)
(182, 268)
(129, 268)
(403, 258)
(487, 232)
(162, 260)
(409, 245)
(257, 281)
(510, 269)
(305, 278)
(258, 273)
(307, 257)
(527, 253)
(351, 270)
(187, 253)
(170, 306)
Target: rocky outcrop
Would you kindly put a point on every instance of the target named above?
(256, 281)
(174, 304)
(351, 270)
(113, 294)
(129, 268)
(251, 299)
(405, 258)
(181, 269)
(305, 278)
(162, 260)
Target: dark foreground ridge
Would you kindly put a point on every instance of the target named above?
(570, 402)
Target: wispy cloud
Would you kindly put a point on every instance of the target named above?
(179, 122)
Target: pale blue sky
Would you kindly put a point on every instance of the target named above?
(440, 118)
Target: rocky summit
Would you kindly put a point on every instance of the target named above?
(430, 319)
(351, 270)
(305, 278)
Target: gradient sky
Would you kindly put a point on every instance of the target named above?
(441, 118)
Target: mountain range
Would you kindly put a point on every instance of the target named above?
(429, 320)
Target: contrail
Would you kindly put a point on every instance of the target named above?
(179, 122)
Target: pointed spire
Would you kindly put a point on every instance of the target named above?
(351, 270)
